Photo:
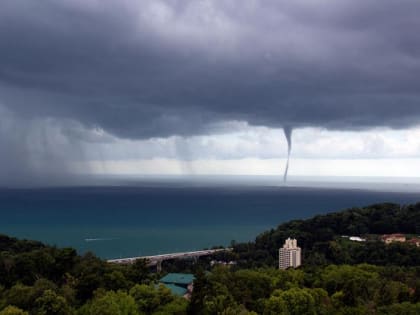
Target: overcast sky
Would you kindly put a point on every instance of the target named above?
(206, 87)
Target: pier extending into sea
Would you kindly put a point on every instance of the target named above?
(156, 260)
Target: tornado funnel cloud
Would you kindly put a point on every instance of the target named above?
(288, 134)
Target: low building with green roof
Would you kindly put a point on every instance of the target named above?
(179, 283)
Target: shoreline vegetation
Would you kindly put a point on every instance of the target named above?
(338, 275)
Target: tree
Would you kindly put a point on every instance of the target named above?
(89, 273)
(201, 289)
(111, 303)
(357, 283)
(115, 280)
(275, 305)
(20, 295)
(139, 271)
(149, 297)
(13, 310)
(294, 301)
(219, 300)
(392, 292)
(177, 307)
(397, 309)
(52, 304)
(237, 310)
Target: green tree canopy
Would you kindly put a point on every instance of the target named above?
(13, 310)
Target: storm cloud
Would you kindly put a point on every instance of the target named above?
(157, 68)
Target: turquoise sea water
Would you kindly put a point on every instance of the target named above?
(150, 219)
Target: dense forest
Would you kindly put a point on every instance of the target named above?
(322, 244)
(338, 276)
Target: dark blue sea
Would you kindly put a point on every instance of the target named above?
(153, 218)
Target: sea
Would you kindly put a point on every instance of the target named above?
(129, 217)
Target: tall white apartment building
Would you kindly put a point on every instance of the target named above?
(290, 254)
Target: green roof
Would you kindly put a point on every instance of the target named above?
(176, 289)
(178, 278)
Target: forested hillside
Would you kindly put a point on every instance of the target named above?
(320, 238)
(338, 276)
(344, 289)
(45, 280)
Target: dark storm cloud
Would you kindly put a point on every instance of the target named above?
(141, 69)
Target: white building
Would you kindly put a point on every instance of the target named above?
(357, 239)
(290, 254)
